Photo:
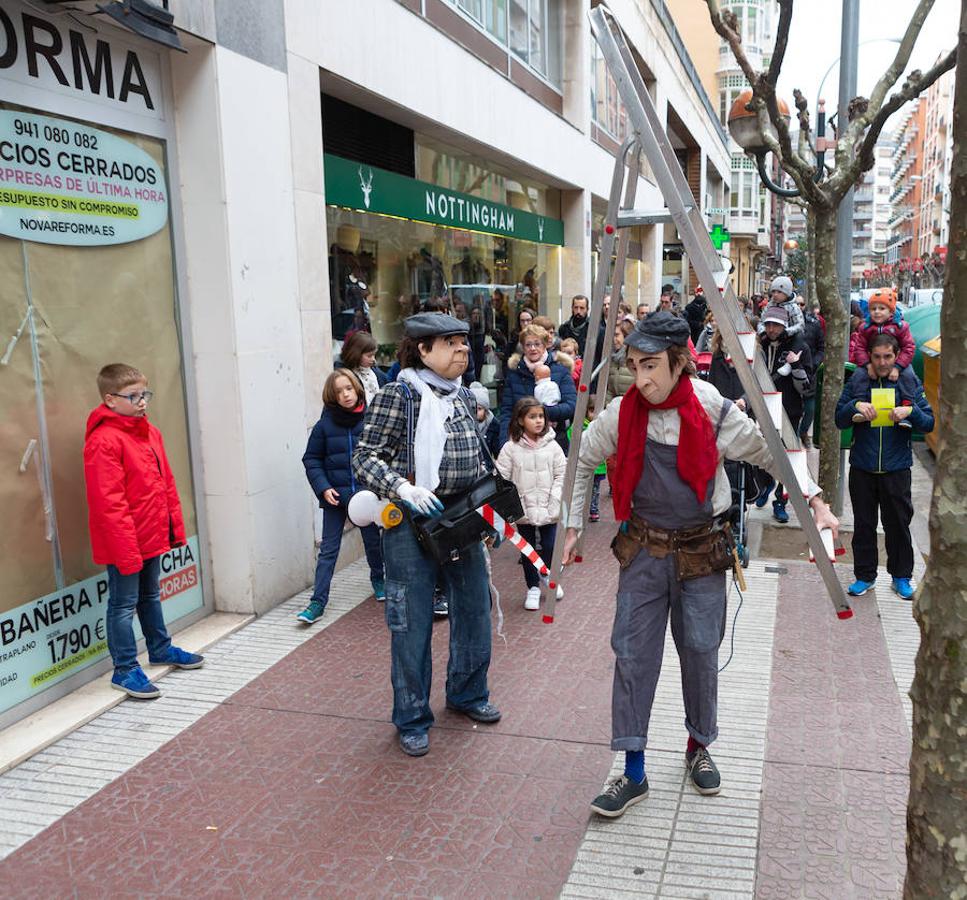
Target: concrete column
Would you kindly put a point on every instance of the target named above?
(243, 305)
(576, 213)
(576, 66)
(312, 242)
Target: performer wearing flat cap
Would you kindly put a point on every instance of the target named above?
(670, 432)
(441, 458)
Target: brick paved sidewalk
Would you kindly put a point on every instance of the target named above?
(294, 786)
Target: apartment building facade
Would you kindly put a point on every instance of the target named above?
(222, 217)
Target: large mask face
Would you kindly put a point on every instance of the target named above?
(448, 355)
(654, 377)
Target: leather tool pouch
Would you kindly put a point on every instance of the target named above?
(706, 554)
(625, 548)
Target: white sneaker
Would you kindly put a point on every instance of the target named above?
(533, 600)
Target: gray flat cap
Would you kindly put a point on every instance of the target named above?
(658, 331)
(431, 324)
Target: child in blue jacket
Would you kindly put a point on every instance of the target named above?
(328, 462)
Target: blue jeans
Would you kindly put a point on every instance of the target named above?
(333, 522)
(127, 593)
(410, 578)
(530, 534)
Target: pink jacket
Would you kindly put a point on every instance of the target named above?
(860, 353)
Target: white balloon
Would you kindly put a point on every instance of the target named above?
(365, 508)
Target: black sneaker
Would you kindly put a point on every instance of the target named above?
(618, 796)
(441, 605)
(702, 772)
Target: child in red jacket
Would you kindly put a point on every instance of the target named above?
(135, 517)
(882, 307)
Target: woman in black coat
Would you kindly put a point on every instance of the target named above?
(520, 382)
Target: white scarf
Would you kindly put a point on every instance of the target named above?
(533, 365)
(431, 432)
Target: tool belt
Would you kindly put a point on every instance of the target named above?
(699, 551)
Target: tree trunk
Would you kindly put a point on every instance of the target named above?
(937, 807)
(823, 253)
(811, 293)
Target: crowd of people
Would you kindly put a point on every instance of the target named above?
(426, 437)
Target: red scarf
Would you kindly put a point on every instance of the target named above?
(697, 454)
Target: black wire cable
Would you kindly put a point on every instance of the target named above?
(735, 619)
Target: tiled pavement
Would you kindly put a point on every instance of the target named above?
(293, 785)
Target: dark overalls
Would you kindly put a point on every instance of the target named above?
(647, 590)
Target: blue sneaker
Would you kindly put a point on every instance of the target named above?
(903, 587)
(312, 613)
(134, 683)
(379, 589)
(180, 659)
(779, 512)
(859, 587)
(763, 497)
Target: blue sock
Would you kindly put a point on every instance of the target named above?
(635, 765)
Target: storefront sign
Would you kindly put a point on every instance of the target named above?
(66, 183)
(51, 638)
(58, 55)
(374, 190)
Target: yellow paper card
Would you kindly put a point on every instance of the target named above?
(884, 400)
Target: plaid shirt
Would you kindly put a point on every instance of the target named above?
(382, 458)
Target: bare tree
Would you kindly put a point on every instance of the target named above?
(854, 155)
(937, 808)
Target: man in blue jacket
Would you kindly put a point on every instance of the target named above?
(880, 463)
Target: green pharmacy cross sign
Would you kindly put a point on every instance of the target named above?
(374, 190)
(719, 236)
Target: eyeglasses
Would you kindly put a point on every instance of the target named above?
(135, 399)
(532, 346)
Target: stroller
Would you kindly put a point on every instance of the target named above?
(747, 483)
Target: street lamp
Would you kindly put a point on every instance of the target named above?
(746, 130)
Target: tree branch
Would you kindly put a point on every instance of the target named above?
(915, 85)
(890, 76)
(764, 100)
(782, 39)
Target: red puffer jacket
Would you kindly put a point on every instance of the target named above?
(133, 509)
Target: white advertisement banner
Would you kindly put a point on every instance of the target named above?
(66, 183)
(51, 638)
(65, 56)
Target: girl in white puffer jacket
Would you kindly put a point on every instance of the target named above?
(533, 460)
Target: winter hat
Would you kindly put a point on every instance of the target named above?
(777, 314)
(481, 394)
(885, 297)
(783, 284)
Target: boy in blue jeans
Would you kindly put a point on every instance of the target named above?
(134, 518)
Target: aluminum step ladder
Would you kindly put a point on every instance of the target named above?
(649, 137)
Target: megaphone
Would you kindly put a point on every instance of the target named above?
(365, 508)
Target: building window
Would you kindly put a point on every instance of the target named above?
(730, 86)
(490, 15)
(607, 110)
(530, 29)
(745, 195)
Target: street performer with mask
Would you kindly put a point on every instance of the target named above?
(420, 446)
(671, 495)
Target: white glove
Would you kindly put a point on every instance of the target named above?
(420, 499)
(784, 369)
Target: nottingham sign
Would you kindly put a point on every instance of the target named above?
(370, 189)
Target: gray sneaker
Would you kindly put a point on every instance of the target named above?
(620, 793)
(702, 772)
(441, 605)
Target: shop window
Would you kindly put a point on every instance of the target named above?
(69, 308)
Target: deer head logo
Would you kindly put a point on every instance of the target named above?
(366, 184)
(540, 229)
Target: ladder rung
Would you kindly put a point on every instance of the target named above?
(631, 217)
